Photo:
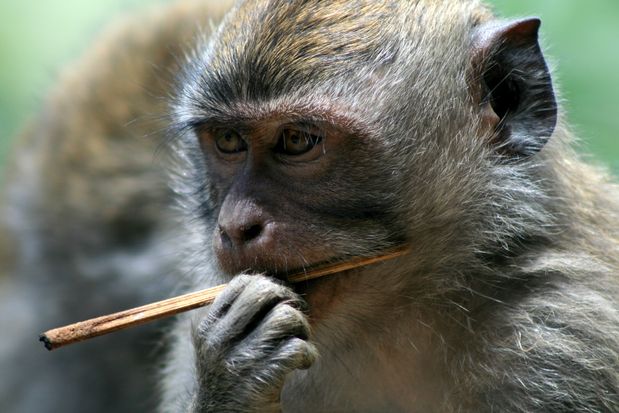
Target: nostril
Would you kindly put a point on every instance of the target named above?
(238, 235)
(252, 232)
(225, 238)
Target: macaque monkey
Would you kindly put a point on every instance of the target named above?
(309, 131)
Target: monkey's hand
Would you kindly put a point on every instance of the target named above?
(254, 335)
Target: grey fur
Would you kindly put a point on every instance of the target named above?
(508, 302)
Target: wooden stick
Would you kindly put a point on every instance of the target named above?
(94, 327)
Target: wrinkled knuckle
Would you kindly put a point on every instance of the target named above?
(269, 290)
(265, 284)
(291, 297)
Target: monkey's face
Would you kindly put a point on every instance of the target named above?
(287, 170)
(289, 192)
(342, 128)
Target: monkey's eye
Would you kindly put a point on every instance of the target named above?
(228, 141)
(294, 142)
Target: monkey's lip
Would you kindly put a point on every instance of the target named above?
(296, 280)
(303, 275)
(276, 263)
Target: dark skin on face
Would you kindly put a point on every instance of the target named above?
(266, 173)
(289, 190)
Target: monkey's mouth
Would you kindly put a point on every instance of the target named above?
(300, 275)
(303, 276)
(277, 262)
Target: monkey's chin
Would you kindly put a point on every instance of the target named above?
(323, 295)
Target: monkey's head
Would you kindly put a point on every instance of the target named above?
(318, 130)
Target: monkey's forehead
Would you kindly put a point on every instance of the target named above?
(265, 49)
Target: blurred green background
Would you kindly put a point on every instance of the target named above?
(38, 37)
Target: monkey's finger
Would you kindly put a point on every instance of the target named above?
(282, 322)
(295, 353)
(224, 301)
(253, 303)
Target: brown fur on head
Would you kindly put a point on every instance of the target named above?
(375, 72)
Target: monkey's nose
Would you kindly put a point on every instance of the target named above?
(245, 236)
(244, 227)
(237, 235)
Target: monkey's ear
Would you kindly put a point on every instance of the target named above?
(514, 84)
